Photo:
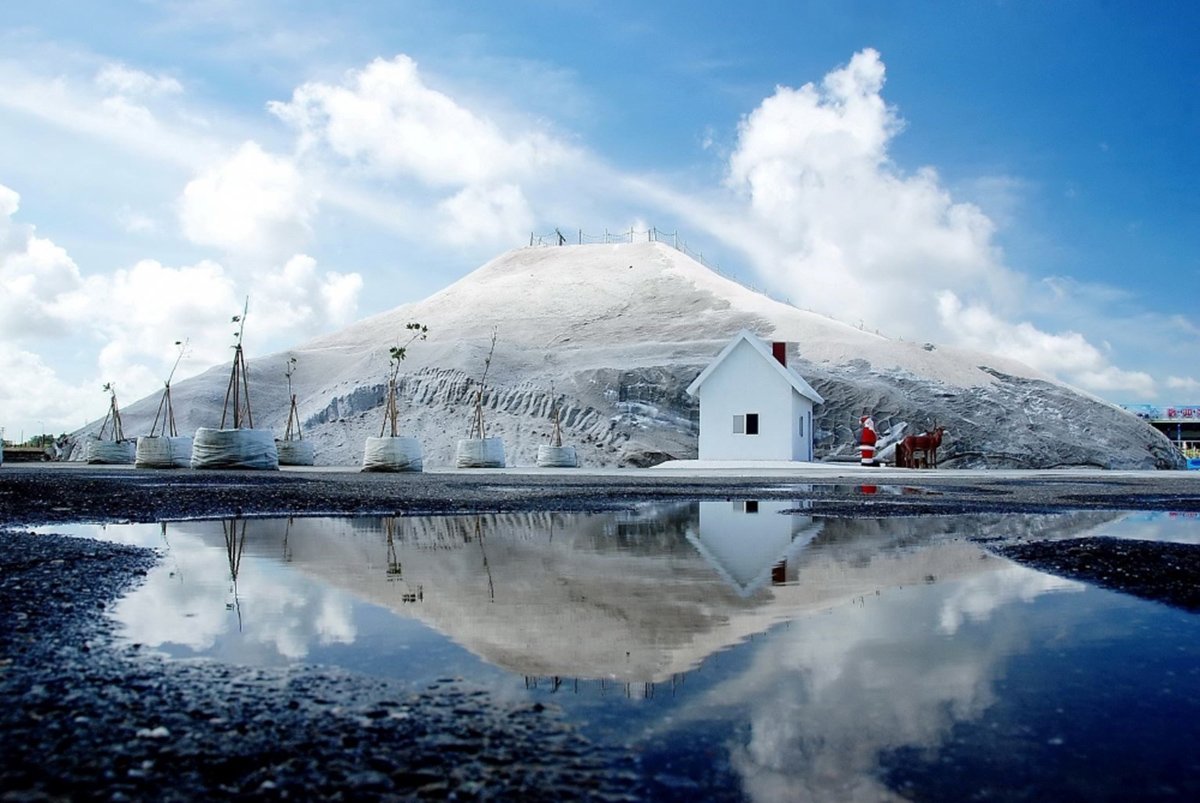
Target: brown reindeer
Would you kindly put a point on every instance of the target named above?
(920, 451)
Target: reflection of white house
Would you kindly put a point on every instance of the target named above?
(752, 406)
(751, 541)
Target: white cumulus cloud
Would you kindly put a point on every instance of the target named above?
(32, 391)
(297, 296)
(34, 272)
(483, 214)
(130, 319)
(119, 79)
(253, 203)
(1187, 383)
(853, 232)
(841, 228)
(140, 311)
(1067, 355)
(477, 182)
(386, 118)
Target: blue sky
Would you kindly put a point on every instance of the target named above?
(1016, 176)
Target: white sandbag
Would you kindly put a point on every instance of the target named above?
(480, 453)
(556, 456)
(110, 452)
(295, 453)
(392, 454)
(162, 451)
(153, 452)
(235, 448)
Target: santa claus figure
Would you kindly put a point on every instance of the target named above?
(866, 440)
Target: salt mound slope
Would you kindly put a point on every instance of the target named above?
(617, 332)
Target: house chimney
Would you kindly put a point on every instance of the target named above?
(779, 352)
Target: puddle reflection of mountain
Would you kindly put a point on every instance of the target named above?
(637, 597)
(745, 642)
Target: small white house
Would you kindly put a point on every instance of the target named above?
(752, 405)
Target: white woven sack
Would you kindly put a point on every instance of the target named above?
(110, 452)
(295, 453)
(153, 452)
(161, 451)
(556, 456)
(392, 454)
(480, 453)
(235, 448)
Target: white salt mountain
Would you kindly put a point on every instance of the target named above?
(619, 331)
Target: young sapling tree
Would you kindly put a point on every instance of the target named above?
(478, 429)
(239, 381)
(396, 355)
(166, 411)
(293, 422)
(113, 415)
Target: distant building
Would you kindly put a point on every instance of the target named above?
(1179, 422)
(752, 405)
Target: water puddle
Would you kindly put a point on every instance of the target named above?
(1181, 527)
(747, 647)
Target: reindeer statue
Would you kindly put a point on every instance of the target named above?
(920, 451)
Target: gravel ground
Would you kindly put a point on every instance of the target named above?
(1163, 572)
(41, 494)
(83, 718)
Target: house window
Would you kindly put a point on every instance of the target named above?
(746, 506)
(745, 424)
(801, 433)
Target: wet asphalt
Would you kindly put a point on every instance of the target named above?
(47, 493)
